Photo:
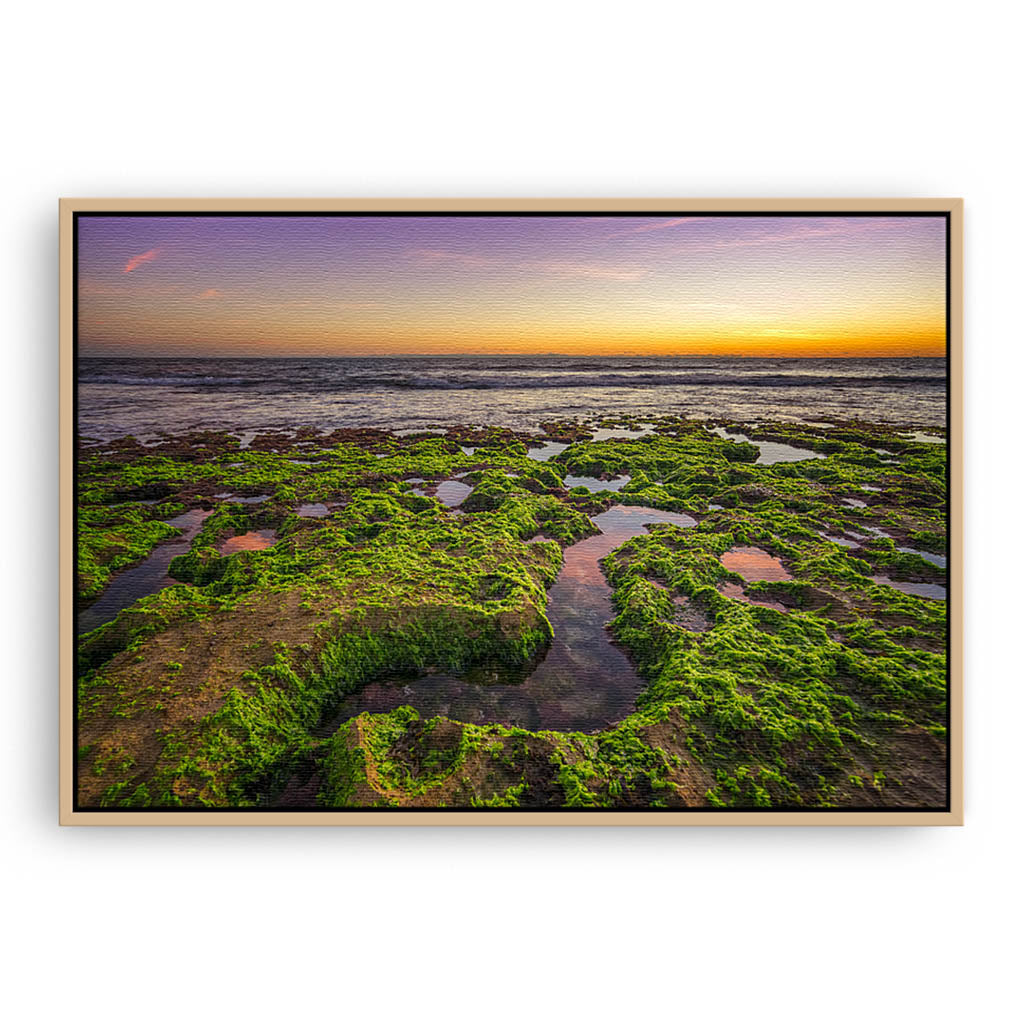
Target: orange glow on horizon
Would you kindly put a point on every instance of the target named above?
(654, 286)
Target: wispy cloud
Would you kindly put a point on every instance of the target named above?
(598, 271)
(90, 286)
(660, 225)
(211, 293)
(463, 259)
(137, 261)
(705, 307)
(806, 232)
(321, 305)
(558, 268)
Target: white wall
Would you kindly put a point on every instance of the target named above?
(205, 99)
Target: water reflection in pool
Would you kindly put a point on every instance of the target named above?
(254, 540)
(314, 510)
(547, 451)
(737, 593)
(845, 542)
(593, 483)
(583, 681)
(452, 492)
(754, 564)
(623, 433)
(771, 451)
(144, 579)
(449, 492)
(236, 499)
(937, 560)
(934, 591)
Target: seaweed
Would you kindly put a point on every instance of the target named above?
(805, 692)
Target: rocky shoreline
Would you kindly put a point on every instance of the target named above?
(321, 562)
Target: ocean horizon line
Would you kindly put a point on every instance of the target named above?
(506, 355)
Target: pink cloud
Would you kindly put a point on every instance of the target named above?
(448, 256)
(88, 286)
(598, 271)
(137, 261)
(211, 293)
(658, 226)
(802, 232)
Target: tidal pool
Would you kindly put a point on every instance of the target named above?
(933, 591)
(547, 451)
(841, 541)
(452, 492)
(754, 564)
(146, 578)
(937, 560)
(236, 499)
(622, 433)
(314, 510)
(449, 492)
(582, 682)
(875, 531)
(737, 593)
(254, 540)
(593, 483)
(771, 451)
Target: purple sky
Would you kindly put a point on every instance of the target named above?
(319, 285)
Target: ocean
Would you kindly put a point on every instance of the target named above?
(148, 397)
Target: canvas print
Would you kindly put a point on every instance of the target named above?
(496, 511)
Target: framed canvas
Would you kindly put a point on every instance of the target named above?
(639, 511)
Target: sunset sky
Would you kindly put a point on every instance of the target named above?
(652, 285)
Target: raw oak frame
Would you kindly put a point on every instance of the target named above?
(954, 815)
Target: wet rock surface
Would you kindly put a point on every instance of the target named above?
(364, 617)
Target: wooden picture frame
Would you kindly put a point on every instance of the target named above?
(73, 813)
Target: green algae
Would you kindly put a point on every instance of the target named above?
(765, 709)
(114, 538)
